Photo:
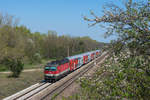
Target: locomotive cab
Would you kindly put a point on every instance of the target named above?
(50, 71)
(56, 69)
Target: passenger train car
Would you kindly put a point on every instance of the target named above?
(57, 69)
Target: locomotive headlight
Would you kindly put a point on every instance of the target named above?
(50, 72)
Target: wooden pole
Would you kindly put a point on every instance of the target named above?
(68, 51)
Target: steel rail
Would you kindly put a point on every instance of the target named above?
(23, 92)
(35, 91)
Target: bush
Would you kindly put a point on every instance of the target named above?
(14, 65)
(37, 57)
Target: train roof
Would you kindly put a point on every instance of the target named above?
(82, 54)
(76, 56)
(57, 62)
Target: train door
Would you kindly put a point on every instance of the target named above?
(86, 58)
(94, 55)
(89, 58)
(83, 59)
(74, 64)
(71, 65)
(79, 62)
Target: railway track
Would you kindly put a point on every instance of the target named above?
(46, 91)
(33, 92)
(25, 91)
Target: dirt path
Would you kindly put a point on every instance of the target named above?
(26, 70)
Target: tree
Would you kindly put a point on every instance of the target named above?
(11, 45)
(131, 50)
(130, 24)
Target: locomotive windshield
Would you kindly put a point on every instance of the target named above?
(50, 68)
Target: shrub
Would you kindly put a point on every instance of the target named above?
(14, 65)
(37, 57)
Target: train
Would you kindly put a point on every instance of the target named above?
(55, 70)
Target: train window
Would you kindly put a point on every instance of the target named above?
(47, 68)
(67, 60)
(54, 62)
(48, 64)
(52, 68)
(63, 61)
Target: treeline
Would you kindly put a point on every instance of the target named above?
(18, 43)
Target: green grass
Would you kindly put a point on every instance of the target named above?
(37, 65)
(3, 68)
(9, 86)
(29, 66)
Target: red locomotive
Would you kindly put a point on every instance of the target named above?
(57, 69)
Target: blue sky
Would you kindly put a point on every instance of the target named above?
(62, 16)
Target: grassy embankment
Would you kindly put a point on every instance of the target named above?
(9, 86)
